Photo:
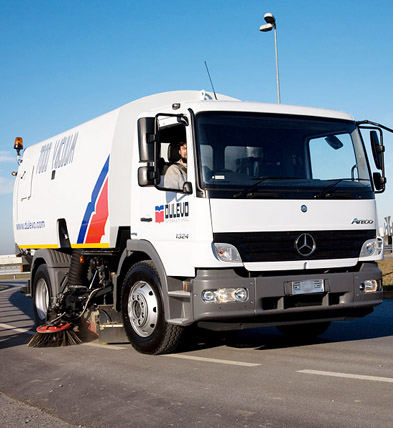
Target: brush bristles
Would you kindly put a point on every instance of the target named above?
(52, 340)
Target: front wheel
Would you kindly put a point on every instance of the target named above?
(143, 312)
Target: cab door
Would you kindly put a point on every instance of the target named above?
(165, 213)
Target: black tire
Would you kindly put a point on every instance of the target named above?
(42, 294)
(143, 312)
(304, 332)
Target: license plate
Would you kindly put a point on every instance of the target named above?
(308, 287)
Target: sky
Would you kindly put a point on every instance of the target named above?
(63, 62)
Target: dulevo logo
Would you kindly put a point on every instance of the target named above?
(159, 213)
(172, 212)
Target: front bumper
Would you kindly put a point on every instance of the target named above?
(271, 301)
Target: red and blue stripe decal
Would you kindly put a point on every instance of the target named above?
(96, 215)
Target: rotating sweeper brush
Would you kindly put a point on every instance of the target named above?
(59, 334)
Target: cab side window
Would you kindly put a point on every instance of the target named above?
(172, 162)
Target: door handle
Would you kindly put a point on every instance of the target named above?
(147, 219)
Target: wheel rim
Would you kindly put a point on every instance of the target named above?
(42, 299)
(143, 308)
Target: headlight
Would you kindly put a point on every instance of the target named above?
(225, 295)
(226, 252)
(372, 247)
(370, 286)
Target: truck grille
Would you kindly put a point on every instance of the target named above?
(280, 246)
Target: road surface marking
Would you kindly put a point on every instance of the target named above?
(4, 286)
(212, 360)
(348, 375)
(18, 330)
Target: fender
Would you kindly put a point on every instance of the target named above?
(57, 262)
(143, 246)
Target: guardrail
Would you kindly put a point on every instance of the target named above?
(10, 269)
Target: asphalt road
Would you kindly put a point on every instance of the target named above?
(248, 379)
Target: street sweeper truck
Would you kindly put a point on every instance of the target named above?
(180, 209)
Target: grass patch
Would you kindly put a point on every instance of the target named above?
(21, 276)
(386, 267)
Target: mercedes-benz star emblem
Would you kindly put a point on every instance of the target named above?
(305, 244)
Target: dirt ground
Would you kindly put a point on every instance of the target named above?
(386, 267)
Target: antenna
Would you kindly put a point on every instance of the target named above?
(211, 82)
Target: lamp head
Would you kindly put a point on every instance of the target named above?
(269, 18)
(266, 27)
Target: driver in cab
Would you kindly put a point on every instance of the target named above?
(176, 175)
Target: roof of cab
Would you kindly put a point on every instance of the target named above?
(200, 101)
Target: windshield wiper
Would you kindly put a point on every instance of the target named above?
(247, 190)
(331, 186)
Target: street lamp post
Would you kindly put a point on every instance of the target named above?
(271, 25)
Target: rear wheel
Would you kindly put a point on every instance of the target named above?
(143, 312)
(41, 294)
(304, 332)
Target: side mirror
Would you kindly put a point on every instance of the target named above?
(379, 182)
(146, 138)
(334, 142)
(187, 187)
(182, 119)
(377, 149)
(147, 176)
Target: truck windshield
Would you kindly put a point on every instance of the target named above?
(280, 156)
